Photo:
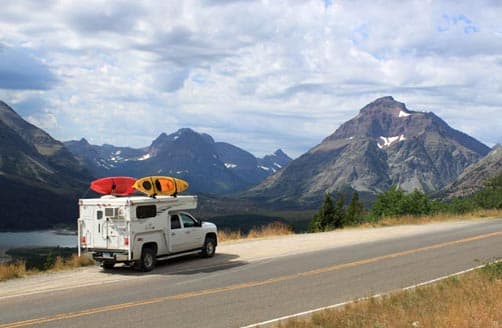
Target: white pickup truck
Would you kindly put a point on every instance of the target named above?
(141, 230)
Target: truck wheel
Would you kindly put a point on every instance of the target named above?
(148, 260)
(108, 265)
(209, 247)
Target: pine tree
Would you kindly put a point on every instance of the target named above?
(339, 212)
(388, 203)
(355, 210)
(323, 219)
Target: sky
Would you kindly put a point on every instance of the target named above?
(261, 75)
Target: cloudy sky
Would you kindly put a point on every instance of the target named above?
(258, 74)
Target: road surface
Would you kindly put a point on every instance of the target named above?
(252, 281)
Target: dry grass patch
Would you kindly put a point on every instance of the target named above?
(18, 269)
(470, 300)
(272, 229)
(409, 219)
(12, 270)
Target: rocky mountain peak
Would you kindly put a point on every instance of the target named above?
(280, 153)
(4, 108)
(161, 138)
(274, 162)
(84, 142)
(384, 144)
(189, 134)
(384, 105)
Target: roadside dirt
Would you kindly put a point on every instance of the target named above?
(227, 254)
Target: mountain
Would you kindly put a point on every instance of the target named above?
(209, 166)
(101, 159)
(475, 175)
(385, 144)
(274, 162)
(241, 163)
(36, 170)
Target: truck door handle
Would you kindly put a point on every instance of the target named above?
(173, 234)
(187, 232)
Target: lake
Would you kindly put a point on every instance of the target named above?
(35, 239)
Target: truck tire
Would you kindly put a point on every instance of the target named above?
(209, 247)
(148, 260)
(108, 265)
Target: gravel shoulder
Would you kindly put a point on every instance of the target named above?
(244, 251)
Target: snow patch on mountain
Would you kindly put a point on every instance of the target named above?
(388, 141)
(403, 114)
(144, 157)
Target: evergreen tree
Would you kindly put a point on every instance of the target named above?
(339, 212)
(416, 203)
(354, 210)
(315, 223)
(323, 219)
(388, 203)
(328, 213)
(491, 195)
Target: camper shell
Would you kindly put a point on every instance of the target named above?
(141, 230)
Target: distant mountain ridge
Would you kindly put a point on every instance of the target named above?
(385, 144)
(40, 179)
(29, 154)
(209, 166)
(474, 177)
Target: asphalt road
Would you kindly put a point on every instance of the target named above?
(239, 293)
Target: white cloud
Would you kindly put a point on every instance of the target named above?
(259, 74)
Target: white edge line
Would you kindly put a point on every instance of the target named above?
(301, 314)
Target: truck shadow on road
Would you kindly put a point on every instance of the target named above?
(190, 264)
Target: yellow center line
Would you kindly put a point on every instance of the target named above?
(251, 284)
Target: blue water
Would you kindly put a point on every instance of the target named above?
(35, 239)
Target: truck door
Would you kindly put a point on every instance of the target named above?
(116, 227)
(99, 231)
(178, 239)
(192, 231)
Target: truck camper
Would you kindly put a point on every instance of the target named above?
(139, 230)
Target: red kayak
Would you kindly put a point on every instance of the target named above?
(119, 186)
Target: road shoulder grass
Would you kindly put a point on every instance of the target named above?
(473, 299)
(31, 261)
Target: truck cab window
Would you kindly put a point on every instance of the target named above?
(188, 222)
(175, 222)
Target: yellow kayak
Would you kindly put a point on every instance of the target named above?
(160, 185)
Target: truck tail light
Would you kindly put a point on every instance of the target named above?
(82, 240)
(126, 241)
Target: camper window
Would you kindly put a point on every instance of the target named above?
(110, 212)
(114, 213)
(146, 211)
(99, 215)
